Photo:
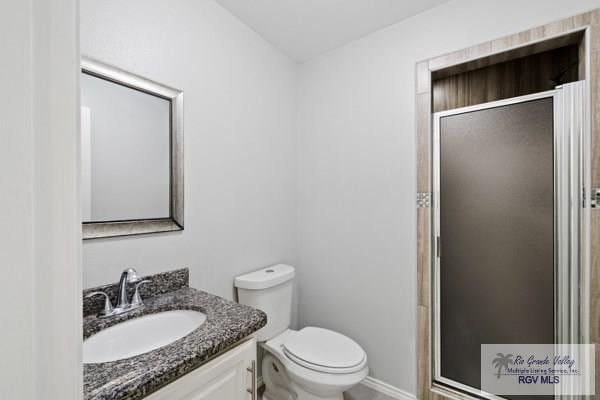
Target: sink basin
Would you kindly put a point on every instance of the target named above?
(140, 335)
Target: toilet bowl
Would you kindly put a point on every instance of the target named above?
(309, 364)
(311, 370)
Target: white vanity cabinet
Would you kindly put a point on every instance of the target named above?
(230, 376)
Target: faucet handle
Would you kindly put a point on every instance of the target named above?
(137, 301)
(132, 276)
(108, 308)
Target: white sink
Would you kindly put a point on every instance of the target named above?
(140, 335)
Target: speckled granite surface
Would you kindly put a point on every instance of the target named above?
(134, 378)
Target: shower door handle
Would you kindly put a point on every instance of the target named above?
(437, 246)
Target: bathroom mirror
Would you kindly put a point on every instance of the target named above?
(131, 153)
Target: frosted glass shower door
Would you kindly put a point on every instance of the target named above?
(495, 234)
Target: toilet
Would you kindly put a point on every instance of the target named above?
(309, 364)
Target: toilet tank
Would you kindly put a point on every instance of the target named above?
(270, 290)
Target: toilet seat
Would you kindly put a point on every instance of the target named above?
(323, 350)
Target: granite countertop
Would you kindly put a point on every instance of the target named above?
(227, 323)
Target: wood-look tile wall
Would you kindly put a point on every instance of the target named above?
(531, 74)
(424, 104)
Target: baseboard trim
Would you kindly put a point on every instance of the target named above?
(387, 389)
(373, 384)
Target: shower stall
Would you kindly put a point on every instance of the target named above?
(508, 227)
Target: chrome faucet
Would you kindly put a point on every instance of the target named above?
(128, 276)
(123, 304)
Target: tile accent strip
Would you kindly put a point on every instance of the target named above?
(159, 284)
(423, 199)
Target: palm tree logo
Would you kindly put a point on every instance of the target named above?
(502, 361)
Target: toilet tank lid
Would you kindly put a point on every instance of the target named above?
(265, 278)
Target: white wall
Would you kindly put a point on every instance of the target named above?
(356, 217)
(16, 210)
(40, 240)
(57, 227)
(240, 138)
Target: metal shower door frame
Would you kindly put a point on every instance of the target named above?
(572, 149)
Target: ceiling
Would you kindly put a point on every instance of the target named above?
(307, 28)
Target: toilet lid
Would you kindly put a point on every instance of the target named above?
(324, 350)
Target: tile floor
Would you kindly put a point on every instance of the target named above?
(358, 392)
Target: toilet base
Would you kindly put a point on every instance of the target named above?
(278, 385)
(266, 396)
